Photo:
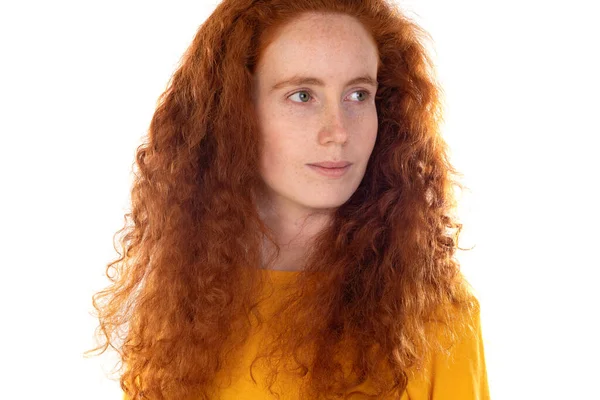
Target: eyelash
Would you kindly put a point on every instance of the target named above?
(366, 92)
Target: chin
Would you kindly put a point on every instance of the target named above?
(328, 204)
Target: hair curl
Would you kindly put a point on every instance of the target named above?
(184, 287)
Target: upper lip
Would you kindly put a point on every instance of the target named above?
(332, 164)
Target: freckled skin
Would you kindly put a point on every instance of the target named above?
(308, 123)
(328, 123)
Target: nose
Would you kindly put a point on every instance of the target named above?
(334, 126)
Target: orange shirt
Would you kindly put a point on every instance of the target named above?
(459, 376)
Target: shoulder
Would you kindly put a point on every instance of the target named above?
(460, 371)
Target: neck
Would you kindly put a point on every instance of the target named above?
(293, 230)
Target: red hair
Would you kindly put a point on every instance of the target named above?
(185, 285)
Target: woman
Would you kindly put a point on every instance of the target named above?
(251, 272)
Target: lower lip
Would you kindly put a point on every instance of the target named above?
(331, 172)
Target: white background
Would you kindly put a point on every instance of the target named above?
(78, 85)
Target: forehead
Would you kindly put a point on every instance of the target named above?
(332, 45)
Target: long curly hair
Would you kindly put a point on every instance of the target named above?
(378, 278)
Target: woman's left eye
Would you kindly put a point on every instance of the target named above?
(364, 93)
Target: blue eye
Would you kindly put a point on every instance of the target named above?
(365, 94)
(302, 92)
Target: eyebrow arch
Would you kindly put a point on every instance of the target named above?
(303, 80)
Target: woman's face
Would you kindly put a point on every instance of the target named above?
(315, 86)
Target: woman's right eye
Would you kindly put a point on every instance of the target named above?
(303, 95)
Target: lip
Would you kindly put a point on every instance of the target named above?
(332, 164)
(330, 172)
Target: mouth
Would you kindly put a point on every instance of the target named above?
(332, 164)
(335, 172)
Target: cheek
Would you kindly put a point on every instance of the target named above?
(271, 140)
(374, 128)
(366, 126)
(283, 140)
(271, 154)
(279, 150)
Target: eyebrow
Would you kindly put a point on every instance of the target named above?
(307, 80)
